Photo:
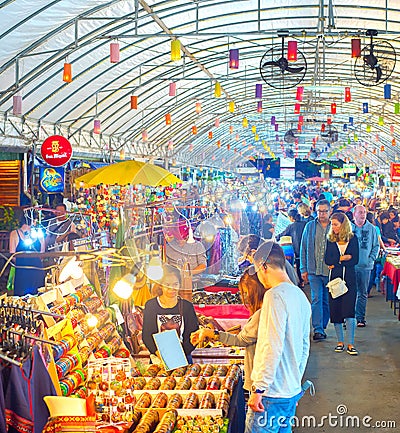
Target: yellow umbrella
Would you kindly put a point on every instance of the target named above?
(128, 172)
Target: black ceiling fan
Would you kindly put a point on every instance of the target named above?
(277, 71)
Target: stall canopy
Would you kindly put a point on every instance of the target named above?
(203, 82)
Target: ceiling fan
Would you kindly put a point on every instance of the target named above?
(377, 61)
(277, 71)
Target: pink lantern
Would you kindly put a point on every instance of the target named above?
(172, 89)
(217, 122)
(96, 126)
(114, 52)
(17, 105)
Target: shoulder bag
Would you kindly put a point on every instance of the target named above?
(337, 287)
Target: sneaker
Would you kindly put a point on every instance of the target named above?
(318, 336)
(339, 347)
(361, 324)
(351, 350)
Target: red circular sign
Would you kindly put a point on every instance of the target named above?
(56, 150)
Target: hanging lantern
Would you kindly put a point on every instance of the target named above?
(122, 154)
(234, 59)
(256, 137)
(96, 126)
(368, 128)
(381, 121)
(17, 105)
(299, 127)
(217, 90)
(210, 135)
(190, 147)
(170, 145)
(397, 108)
(374, 151)
(297, 107)
(365, 107)
(254, 129)
(194, 129)
(393, 141)
(175, 50)
(258, 91)
(301, 120)
(344, 127)
(198, 107)
(273, 120)
(237, 137)
(244, 142)
(114, 52)
(145, 135)
(276, 137)
(216, 123)
(245, 122)
(218, 143)
(351, 121)
(387, 91)
(231, 106)
(168, 119)
(392, 129)
(67, 72)
(172, 89)
(382, 148)
(355, 137)
(356, 47)
(329, 121)
(333, 108)
(228, 147)
(259, 107)
(377, 139)
(323, 127)
(231, 130)
(347, 94)
(134, 102)
(292, 51)
(276, 127)
(299, 93)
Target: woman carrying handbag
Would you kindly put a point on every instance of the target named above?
(341, 256)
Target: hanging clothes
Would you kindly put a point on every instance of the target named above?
(25, 387)
(229, 262)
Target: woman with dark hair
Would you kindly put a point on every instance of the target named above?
(252, 293)
(29, 273)
(169, 311)
(341, 256)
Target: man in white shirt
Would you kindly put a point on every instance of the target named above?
(282, 347)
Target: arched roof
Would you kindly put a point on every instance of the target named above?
(37, 38)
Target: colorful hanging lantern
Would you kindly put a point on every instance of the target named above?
(216, 123)
(190, 147)
(254, 129)
(397, 108)
(218, 143)
(393, 142)
(299, 93)
(134, 102)
(194, 129)
(347, 94)
(245, 122)
(368, 128)
(333, 108)
(231, 106)
(234, 59)
(114, 52)
(273, 120)
(297, 108)
(387, 91)
(175, 50)
(172, 89)
(301, 120)
(17, 105)
(231, 130)
(96, 126)
(392, 129)
(323, 127)
(122, 154)
(276, 127)
(170, 145)
(168, 119)
(351, 121)
(356, 47)
(382, 148)
(259, 107)
(355, 136)
(145, 135)
(381, 121)
(210, 135)
(256, 137)
(67, 73)
(292, 51)
(344, 127)
(198, 107)
(237, 137)
(365, 107)
(258, 91)
(217, 90)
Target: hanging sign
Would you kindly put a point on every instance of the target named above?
(337, 172)
(51, 179)
(395, 172)
(56, 150)
(349, 168)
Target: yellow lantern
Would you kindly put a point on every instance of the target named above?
(175, 50)
(217, 90)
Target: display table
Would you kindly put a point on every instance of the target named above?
(226, 315)
(392, 272)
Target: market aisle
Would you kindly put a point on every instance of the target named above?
(367, 385)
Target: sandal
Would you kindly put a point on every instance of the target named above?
(351, 350)
(339, 347)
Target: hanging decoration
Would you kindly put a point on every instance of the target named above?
(198, 107)
(234, 59)
(67, 72)
(381, 121)
(387, 91)
(114, 52)
(217, 90)
(134, 102)
(216, 123)
(168, 119)
(347, 94)
(365, 107)
(258, 91)
(210, 135)
(172, 89)
(96, 126)
(145, 135)
(231, 106)
(175, 50)
(299, 93)
(259, 107)
(292, 51)
(194, 130)
(356, 47)
(333, 108)
(245, 122)
(297, 107)
(170, 145)
(17, 105)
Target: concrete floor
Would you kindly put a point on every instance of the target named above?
(361, 386)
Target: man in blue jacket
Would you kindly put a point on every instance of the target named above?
(368, 243)
(313, 268)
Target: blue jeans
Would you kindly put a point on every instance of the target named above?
(319, 302)
(362, 280)
(277, 417)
